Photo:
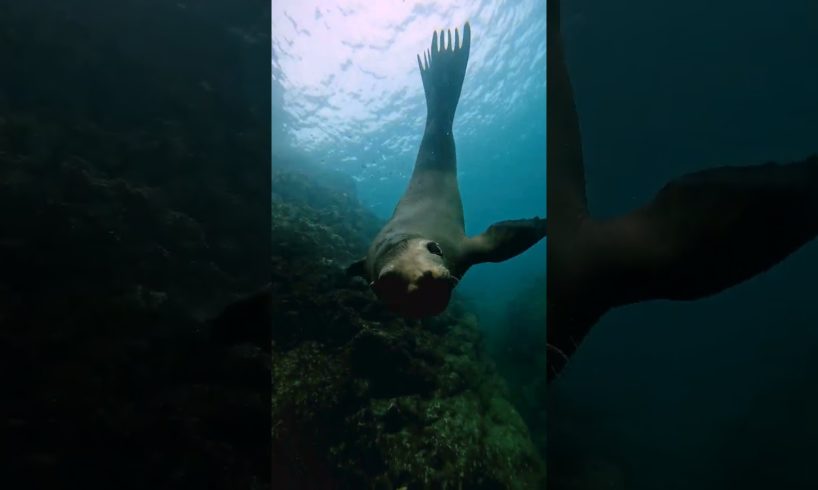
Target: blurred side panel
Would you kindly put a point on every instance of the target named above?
(134, 205)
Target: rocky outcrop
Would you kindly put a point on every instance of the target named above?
(363, 399)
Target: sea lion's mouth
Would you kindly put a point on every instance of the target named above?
(427, 296)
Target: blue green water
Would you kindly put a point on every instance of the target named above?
(717, 393)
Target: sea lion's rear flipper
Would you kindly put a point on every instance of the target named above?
(706, 232)
(505, 240)
(443, 69)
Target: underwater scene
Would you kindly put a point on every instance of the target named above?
(302, 244)
(364, 397)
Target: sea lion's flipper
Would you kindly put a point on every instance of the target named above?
(443, 69)
(567, 204)
(505, 240)
(357, 268)
(707, 231)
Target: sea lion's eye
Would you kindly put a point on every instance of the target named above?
(434, 248)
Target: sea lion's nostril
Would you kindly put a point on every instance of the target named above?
(434, 248)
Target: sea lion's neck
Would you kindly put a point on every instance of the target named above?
(433, 189)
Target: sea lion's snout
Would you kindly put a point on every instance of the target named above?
(425, 294)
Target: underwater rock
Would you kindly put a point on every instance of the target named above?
(288, 161)
(386, 361)
(133, 209)
(518, 347)
(364, 399)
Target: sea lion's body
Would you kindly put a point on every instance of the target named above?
(422, 252)
(701, 234)
(430, 207)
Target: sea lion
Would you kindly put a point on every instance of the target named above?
(422, 252)
(702, 233)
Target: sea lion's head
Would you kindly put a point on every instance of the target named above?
(413, 279)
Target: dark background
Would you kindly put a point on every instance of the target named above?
(134, 205)
(718, 393)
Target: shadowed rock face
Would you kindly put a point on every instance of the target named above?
(133, 201)
(518, 346)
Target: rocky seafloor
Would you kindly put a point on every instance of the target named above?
(364, 399)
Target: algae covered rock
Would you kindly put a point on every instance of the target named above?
(364, 399)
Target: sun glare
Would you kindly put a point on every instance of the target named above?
(348, 68)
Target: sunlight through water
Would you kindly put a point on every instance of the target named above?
(352, 93)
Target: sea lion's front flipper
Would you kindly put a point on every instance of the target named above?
(357, 268)
(567, 204)
(505, 240)
(706, 232)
